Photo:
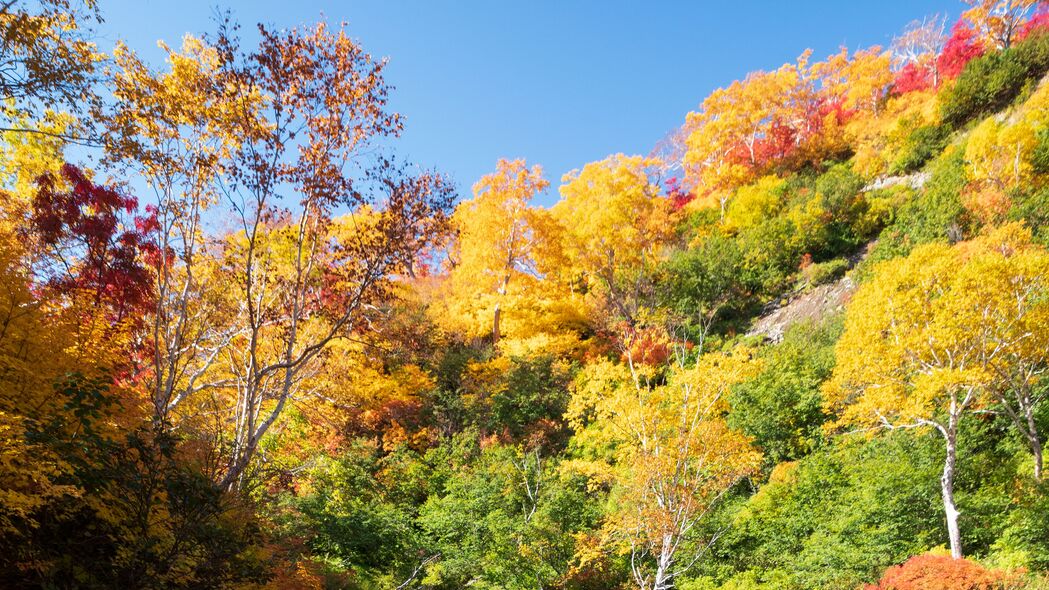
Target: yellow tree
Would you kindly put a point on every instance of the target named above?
(944, 332)
(674, 456)
(175, 131)
(49, 64)
(614, 225)
(1001, 153)
(723, 138)
(859, 81)
(998, 21)
(306, 108)
(495, 234)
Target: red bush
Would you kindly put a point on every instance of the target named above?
(941, 572)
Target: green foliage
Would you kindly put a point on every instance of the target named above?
(359, 513)
(935, 213)
(704, 284)
(838, 517)
(782, 408)
(920, 146)
(1040, 156)
(506, 521)
(825, 272)
(989, 83)
(532, 402)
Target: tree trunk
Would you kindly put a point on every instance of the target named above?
(662, 580)
(495, 323)
(1035, 443)
(947, 488)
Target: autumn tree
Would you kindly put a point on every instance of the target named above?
(997, 22)
(614, 228)
(915, 52)
(741, 129)
(309, 109)
(940, 334)
(93, 245)
(175, 131)
(859, 81)
(50, 64)
(674, 458)
(496, 234)
(961, 47)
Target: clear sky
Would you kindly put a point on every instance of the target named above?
(560, 83)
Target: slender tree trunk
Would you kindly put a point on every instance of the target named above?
(662, 579)
(947, 488)
(495, 323)
(1035, 443)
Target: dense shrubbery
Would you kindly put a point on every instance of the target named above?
(990, 83)
(782, 407)
(920, 146)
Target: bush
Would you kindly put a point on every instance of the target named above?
(825, 272)
(991, 82)
(942, 572)
(781, 408)
(918, 148)
(1032, 208)
(986, 85)
(935, 213)
(1040, 155)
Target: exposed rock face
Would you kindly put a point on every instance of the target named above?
(811, 305)
(915, 181)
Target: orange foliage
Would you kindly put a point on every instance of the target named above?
(986, 201)
(942, 572)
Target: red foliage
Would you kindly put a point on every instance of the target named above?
(649, 346)
(961, 48)
(1038, 22)
(99, 244)
(779, 144)
(678, 196)
(941, 572)
(912, 78)
(806, 261)
(835, 106)
(793, 144)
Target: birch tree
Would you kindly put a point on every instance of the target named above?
(944, 333)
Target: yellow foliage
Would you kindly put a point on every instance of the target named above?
(860, 80)
(754, 203)
(612, 220)
(945, 321)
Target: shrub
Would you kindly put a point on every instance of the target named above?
(1033, 208)
(942, 572)
(986, 85)
(1040, 156)
(825, 272)
(991, 82)
(918, 148)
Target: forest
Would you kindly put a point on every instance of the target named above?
(246, 343)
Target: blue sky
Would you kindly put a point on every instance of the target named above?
(560, 83)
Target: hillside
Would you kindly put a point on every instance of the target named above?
(246, 344)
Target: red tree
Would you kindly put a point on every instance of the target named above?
(911, 78)
(96, 244)
(961, 48)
